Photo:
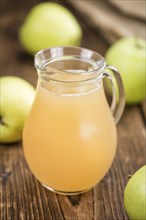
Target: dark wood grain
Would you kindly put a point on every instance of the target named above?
(22, 197)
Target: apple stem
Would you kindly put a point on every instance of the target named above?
(1, 121)
(137, 44)
(129, 176)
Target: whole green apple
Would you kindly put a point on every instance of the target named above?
(135, 195)
(128, 56)
(49, 24)
(15, 102)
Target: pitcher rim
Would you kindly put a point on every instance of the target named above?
(91, 74)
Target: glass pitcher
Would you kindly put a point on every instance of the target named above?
(70, 135)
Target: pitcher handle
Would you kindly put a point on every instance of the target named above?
(118, 99)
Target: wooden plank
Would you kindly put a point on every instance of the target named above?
(111, 24)
(143, 107)
(21, 195)
(136, 9)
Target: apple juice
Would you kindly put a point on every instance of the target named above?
(69, 140)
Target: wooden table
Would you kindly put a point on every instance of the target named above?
(21, 196)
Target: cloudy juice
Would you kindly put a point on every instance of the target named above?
(69, 139)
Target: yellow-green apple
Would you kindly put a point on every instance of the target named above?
(15, 102)
(128, 56)
(135, 195)
(49, 24)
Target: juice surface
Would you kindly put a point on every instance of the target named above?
(69, 140)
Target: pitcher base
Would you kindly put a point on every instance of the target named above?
(65, 192)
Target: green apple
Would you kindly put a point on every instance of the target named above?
(128, 56)
(49, 24)
(15, 102)
(135, 195)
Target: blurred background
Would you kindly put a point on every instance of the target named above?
(102, 23)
